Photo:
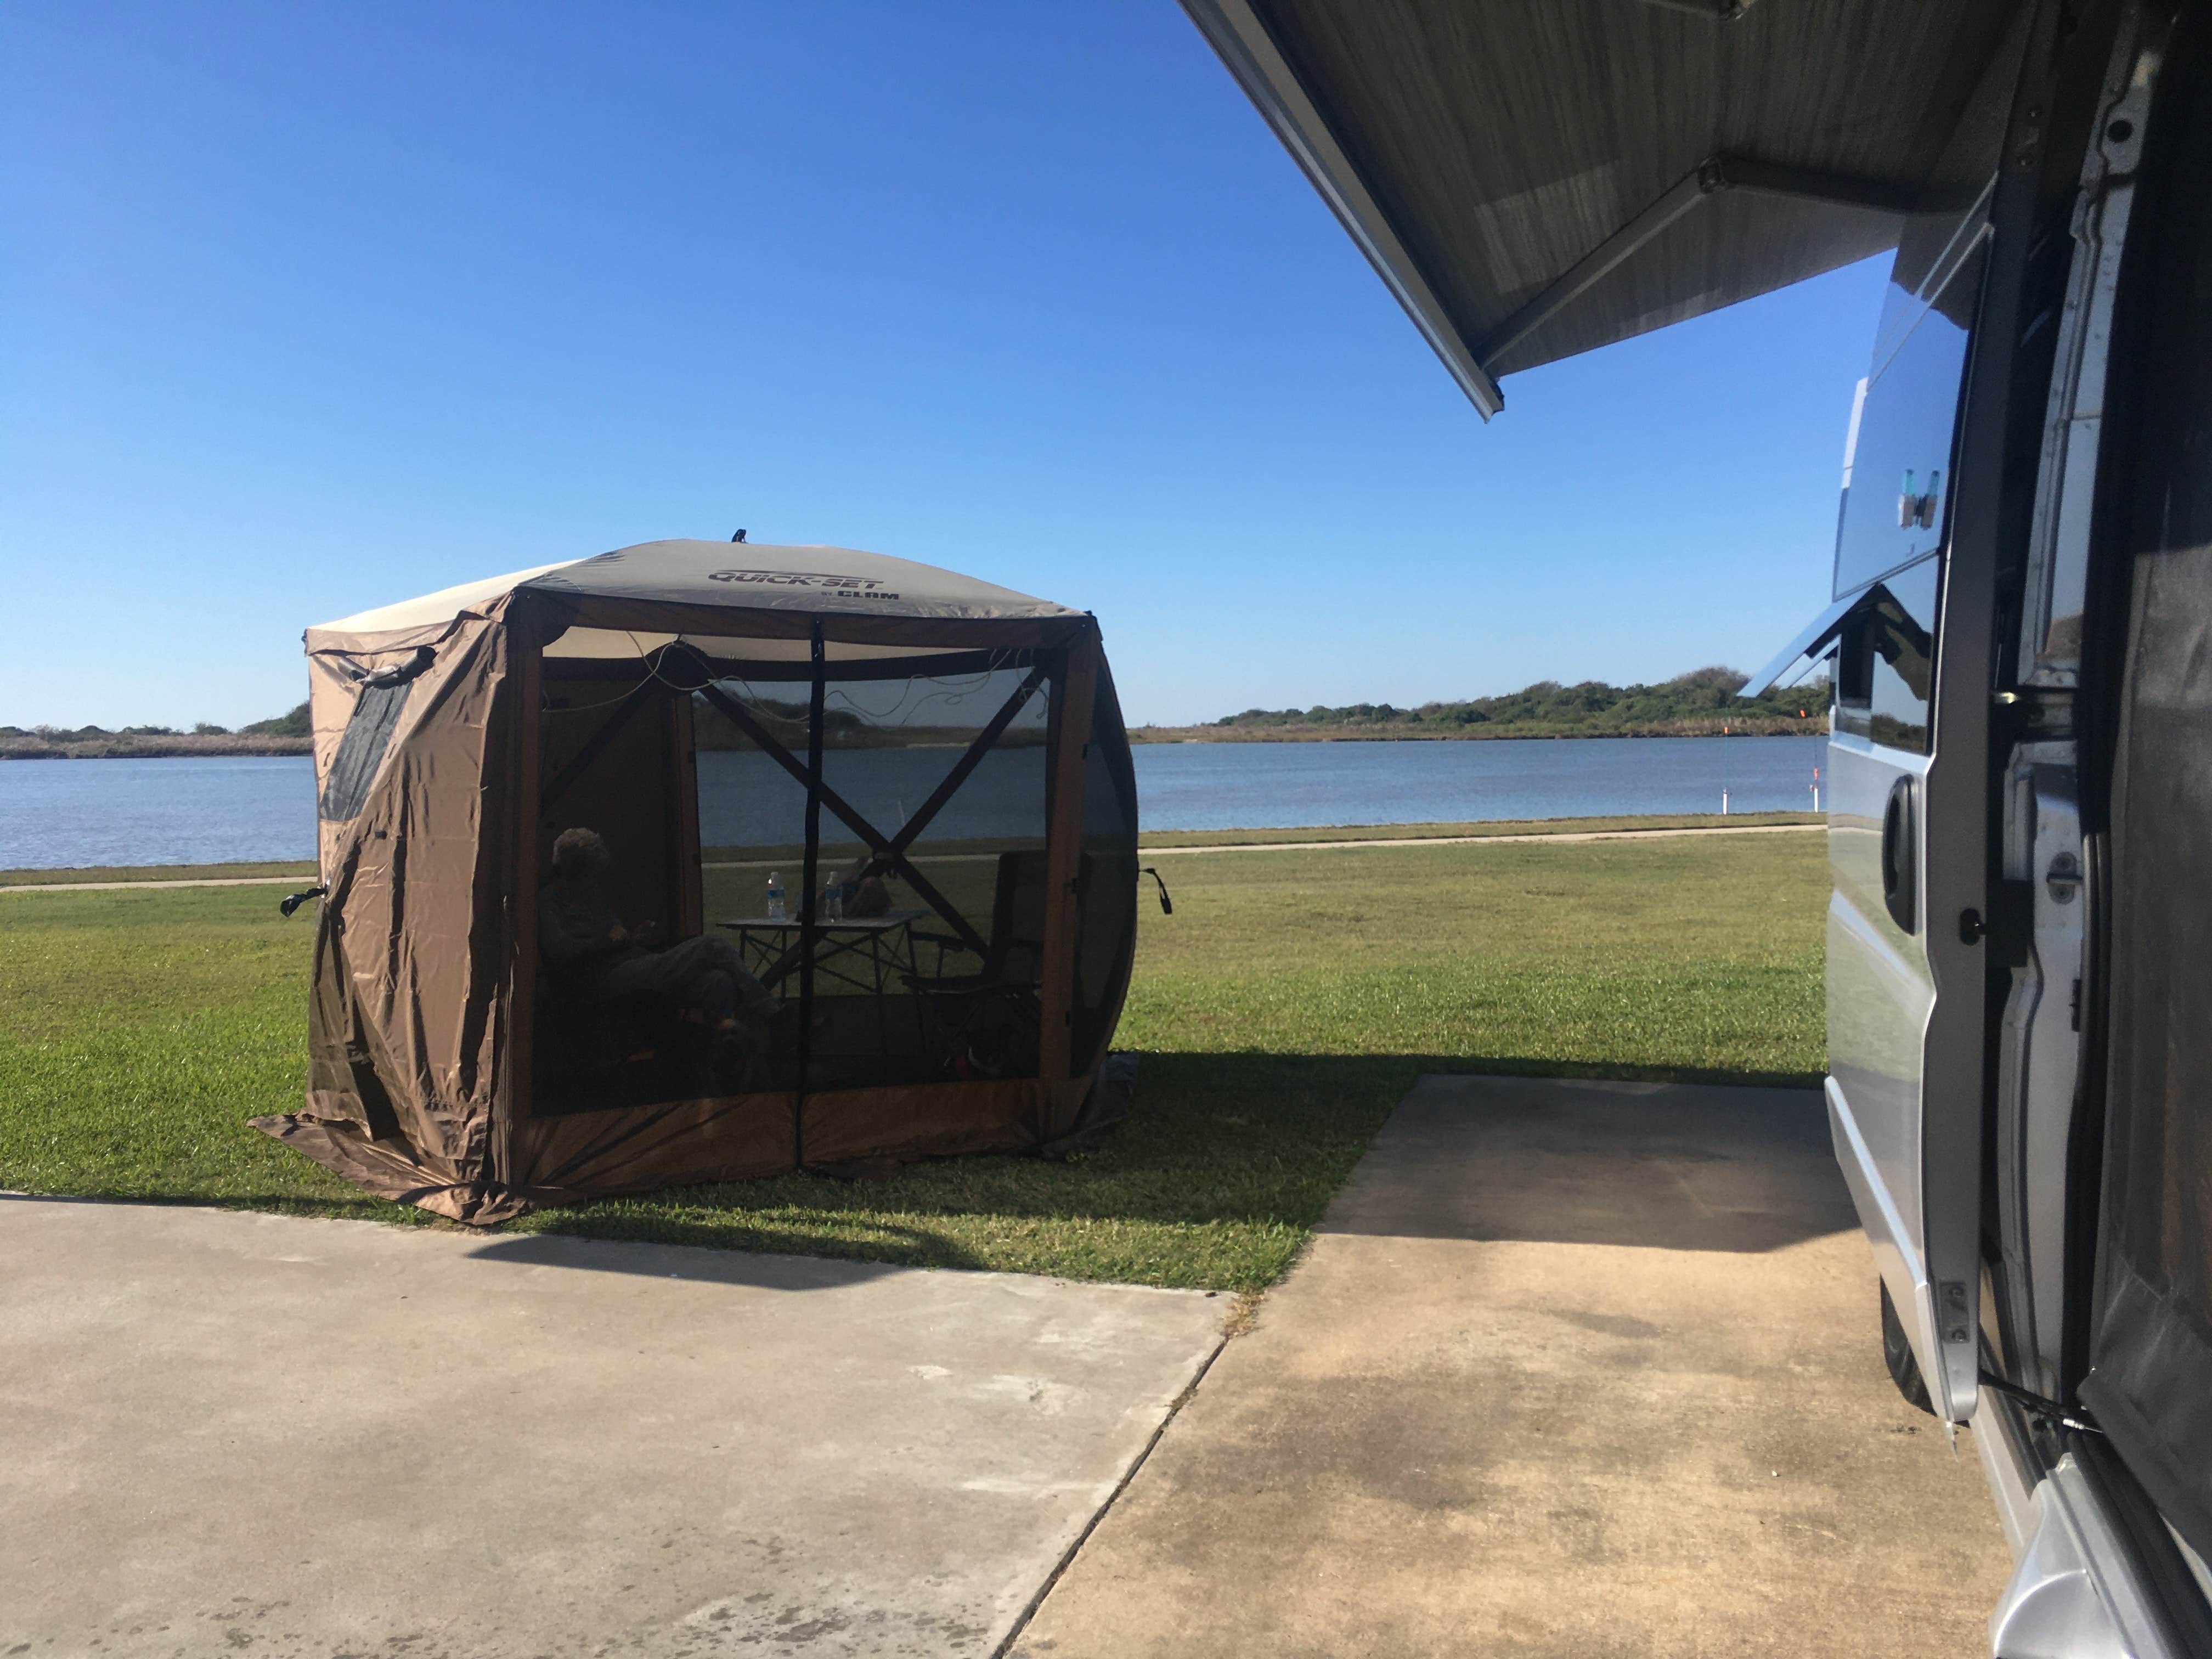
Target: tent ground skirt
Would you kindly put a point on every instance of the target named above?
(579, 1157)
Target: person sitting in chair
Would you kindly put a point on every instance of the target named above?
(583, 940)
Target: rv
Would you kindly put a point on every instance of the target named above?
(2019, 932)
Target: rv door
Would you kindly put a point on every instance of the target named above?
(1907, 829)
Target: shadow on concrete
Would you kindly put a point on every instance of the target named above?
(763, 1272)
(1575, 1161)
(1703, 1161)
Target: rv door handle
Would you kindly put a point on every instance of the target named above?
(1900, 857)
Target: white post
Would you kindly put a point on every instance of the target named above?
(1723, 803)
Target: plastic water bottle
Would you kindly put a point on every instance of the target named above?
(836, 897)
(775, 911)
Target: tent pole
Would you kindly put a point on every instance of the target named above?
(810, 882)
(1063, 856)
(639, 696)
(911, 830)
(526, 663)
(683, 756)
(877, 841)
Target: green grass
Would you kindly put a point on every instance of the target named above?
(1482, 829)
(833, 852)
(304, 871)
(1288, 1003)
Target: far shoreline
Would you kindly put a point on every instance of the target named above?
(1171, 734)
(186, 747)
(183, 746)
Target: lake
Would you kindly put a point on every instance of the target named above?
(73, 813)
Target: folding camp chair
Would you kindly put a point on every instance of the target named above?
(989, 1019)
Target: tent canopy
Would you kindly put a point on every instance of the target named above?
(728, 576)
(1538, 177)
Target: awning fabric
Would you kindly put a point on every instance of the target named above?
(1537, 178)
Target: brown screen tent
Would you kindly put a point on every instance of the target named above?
(726, 716)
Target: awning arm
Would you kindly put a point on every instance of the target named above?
(1709, 177)
(1244, 47)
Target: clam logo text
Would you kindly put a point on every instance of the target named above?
(843, 587)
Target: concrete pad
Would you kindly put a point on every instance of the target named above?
(224, 1433)
(1573, 1369)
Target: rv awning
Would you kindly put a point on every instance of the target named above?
(1536, 177)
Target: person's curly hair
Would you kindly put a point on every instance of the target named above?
(579, 852)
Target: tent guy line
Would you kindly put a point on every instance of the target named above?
(972, 858)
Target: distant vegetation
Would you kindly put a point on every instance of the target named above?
(1693, 705)
(287, 734)
(845, 728)
(294, 725)
(1700, 703)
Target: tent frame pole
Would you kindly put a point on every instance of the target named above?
(528, 655)
(879, 844)
(889, 854)
(894, 853)
(811, 880)
(681, 748)
(1071, 743)
(638, 696)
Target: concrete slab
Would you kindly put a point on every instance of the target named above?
(226, 1433)
(1572, 1368)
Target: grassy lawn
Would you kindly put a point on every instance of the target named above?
(757, 857)
(1483, 829)
(304, 873)
(1289, 1000)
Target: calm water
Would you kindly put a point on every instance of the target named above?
(80, 812)
(1280, 786)
(72, 813)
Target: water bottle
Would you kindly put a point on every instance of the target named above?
(775, 911)
(835, 898)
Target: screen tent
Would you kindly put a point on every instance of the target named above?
(941, 760)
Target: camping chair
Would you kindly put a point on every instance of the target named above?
(989, 1018)
(617, 1051)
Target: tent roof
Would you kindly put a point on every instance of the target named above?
(731, 575)
(1537, 178)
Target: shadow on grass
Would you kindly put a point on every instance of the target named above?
(1226, 1164)
(1240, 1152)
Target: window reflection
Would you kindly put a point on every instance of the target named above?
(1898, 497)
(1885, 666)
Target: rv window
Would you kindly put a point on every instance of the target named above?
(1886, 660)
(1900, 493)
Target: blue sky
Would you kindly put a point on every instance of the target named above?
(305, 309)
